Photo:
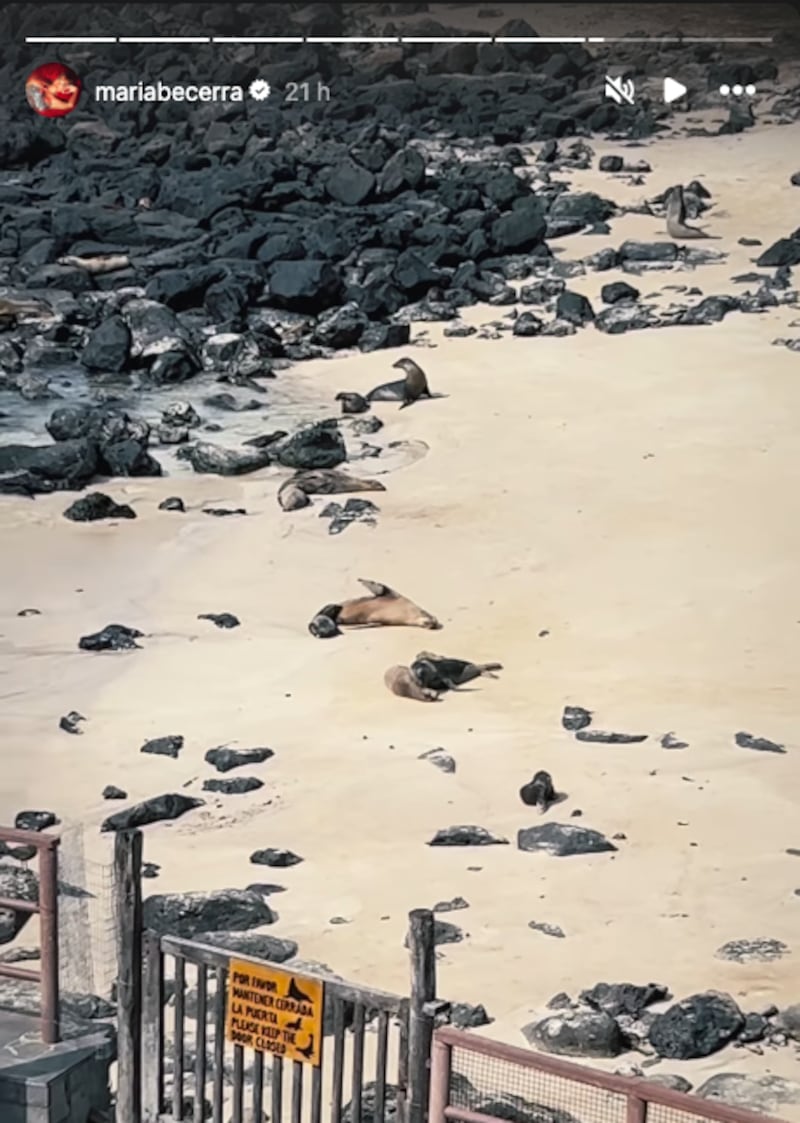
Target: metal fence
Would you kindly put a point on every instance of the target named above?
(476, 1080)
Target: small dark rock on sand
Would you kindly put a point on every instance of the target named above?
(155, 810)
(760, 744)
(598, 736)
(223, 512)
(96, 505)
(451, 906)
(575, 718)
(225, 759)
(354, 510)
(670, 741)
(71, 721)
(462, 1015)
(150, 869)
(169, 746)
(438, 757)
(563, 840)
(110, 791)
(114, 637)
(275, 857)
(237, 785)
(443, 933)
(172, 503)
(221, 619)
(631, 999)
(616, 291)
(547, 929)
(466, 836)
(752, 951)
(35, 820)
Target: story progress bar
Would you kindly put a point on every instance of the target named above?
(387, 39)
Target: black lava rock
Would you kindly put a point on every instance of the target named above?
(186, 914)
(624, 998)
(237, 785)
(114, 637)
(172, 503)
(110, 791)
(35, 820)
(696, 1027)
(155, 810)
(276, 858)
(760, 744)
(221, 619)
(108, 347)
(96, 505)
(466, 836)
(574, 308)
(225, 759)
(462, 1015)
(597, 735)
(563, 840)
(618, 290)
(576, 717)
(170, 746)
(317, 446)
(577, 1034)
(752, 951)
(70, 722)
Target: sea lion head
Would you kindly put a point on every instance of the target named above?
(404, 364)
(425, 620)
(324, 625)
(425, 673)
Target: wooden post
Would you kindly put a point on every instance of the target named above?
(153, 1031)
(48, 938)
(441, 1064)
(420, 1024)
(128, 925)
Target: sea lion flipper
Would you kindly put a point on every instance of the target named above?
(377, 588)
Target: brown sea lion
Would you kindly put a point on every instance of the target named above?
(107, 263)
(405, 390)
(11, 310)
(539, 792)
(676, 216)
(291, 497)
(332, 481)
(401, 682)
(441, 673)
(383, 607)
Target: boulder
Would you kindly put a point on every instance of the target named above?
(563, 840)
(577, 1034)
(221, 910)
(155, 810)
(466, 836)
(697, 1026)
(225, 759)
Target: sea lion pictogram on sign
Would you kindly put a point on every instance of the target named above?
(274, 1011)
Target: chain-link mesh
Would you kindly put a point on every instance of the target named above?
(659, 1113)
(86, 929)
(510, 1091)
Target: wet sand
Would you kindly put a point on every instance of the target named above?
(611, 517)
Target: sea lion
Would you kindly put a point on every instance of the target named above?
(107, 263)
(539, 792)
(351, 402)
(11, 309)
(383, 607)
(291, 497)
(676, 216)
(438, 672)
(402, 682)
(332, 481)
(406, 390)
(324, 625)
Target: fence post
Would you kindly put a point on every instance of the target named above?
(153, 1030)
(635, 1109)
(420, 1024)
(48, 937)
(128, 924)
(441, 1062)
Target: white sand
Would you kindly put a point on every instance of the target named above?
(633, 496)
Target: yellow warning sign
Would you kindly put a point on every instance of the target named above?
(274, 1011)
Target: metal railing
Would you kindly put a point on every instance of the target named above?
(560, 1088)
(47, 909)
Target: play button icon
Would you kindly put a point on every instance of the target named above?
(673, 90)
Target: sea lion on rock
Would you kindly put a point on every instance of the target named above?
(383, 607)
(402, 682)
(676, 216)
(539, 792)
(352, 403)
(441, 673)
(406, 390)
(107, 263)
(11, 309)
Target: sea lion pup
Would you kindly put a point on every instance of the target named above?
(324, 625)
(440, 673)
(676, 216)
(383, 607)
(402, 682)
(351, 402)
(405, 390)
(97, 265)
(539, 792)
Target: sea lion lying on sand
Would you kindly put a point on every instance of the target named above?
(539, 792)
(401, 682)
(351, 402)
(437, 672)
(294, 492)
(406, 390)
(676, 216)
(108, 263)
(383, 607)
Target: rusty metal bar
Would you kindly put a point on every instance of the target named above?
(11, 972)
(48, 935)
(637, 1088)
(439, 1092)
(38, 839)
(18, 905)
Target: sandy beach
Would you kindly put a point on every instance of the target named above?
(613, 518)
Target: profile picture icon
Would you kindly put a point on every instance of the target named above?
(53, 89)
